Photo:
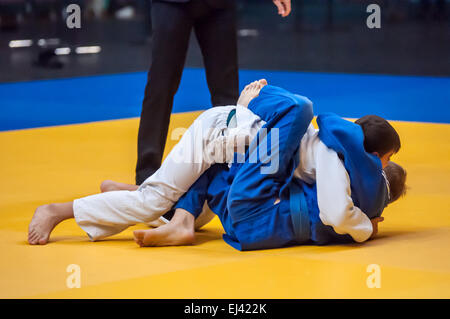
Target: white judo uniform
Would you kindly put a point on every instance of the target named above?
(322, 165)
(207, 141)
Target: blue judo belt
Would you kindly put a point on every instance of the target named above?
(299, 213)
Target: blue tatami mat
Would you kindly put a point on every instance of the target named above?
(105, 97)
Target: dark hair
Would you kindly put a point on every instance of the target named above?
(379, 135)
(396, 176)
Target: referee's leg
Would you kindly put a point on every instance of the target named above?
(171, 28)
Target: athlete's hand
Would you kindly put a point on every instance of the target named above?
(375, 222)
(283, 6)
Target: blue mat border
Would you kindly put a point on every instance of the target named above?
(115, 96)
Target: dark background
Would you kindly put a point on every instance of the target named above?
(318, 36)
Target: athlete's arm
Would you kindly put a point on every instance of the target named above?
(334, 197)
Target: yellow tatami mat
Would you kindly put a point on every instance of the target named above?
(58, 164)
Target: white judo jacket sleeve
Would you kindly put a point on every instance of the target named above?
(334, 197)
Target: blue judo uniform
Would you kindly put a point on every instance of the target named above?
(243, 196)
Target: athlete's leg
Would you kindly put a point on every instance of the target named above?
(45, 219)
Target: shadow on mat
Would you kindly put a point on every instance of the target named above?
(409, 234)
(205, 235)
(382, 239)
(201, 236)
(60, 239)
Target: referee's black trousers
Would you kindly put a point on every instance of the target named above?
(214, 24)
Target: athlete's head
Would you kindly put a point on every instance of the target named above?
(380, 138)
(396, 179)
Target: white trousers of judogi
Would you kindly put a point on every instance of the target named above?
(207, 141)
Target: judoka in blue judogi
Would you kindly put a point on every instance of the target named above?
(260, 210)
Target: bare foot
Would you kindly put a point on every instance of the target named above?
(165, 235)
(109, 186)
(45, 218)
(250, 92)
(179, 231)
